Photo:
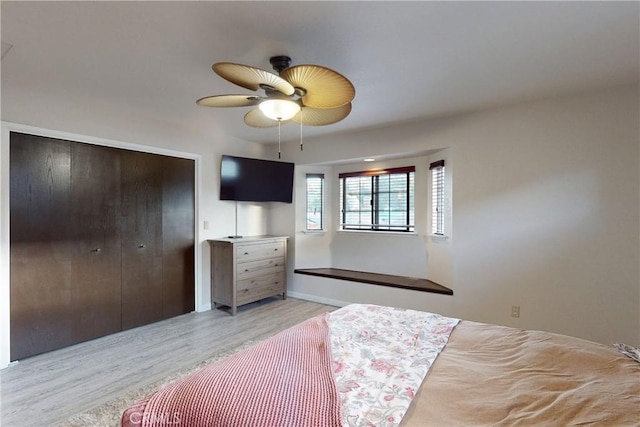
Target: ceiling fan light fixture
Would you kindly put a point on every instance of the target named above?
(279, 109)
(324, 94)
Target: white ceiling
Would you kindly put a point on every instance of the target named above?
(407, 60)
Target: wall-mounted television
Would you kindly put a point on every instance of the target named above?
(255, 180)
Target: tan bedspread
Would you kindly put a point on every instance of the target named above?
(493, 375)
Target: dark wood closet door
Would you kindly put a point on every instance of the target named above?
(102, 239)
(40, 244)
(95, 215)
(141, 223)
(178, 231)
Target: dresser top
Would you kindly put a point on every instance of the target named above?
(246, 239)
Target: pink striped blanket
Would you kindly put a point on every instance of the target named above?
(286, 380)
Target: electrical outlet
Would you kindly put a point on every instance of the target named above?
(515, 311)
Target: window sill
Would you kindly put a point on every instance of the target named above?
(438, 237)
(315, 232)
(381, 233)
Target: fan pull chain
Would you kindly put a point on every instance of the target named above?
(301, 130)
(278, 139)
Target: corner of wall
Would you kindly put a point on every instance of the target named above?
(5, 293)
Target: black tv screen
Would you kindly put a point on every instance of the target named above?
(255, 180)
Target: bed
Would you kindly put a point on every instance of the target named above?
(365, 365)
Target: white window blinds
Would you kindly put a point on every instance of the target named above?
(437, 197)
(315, 202)
(380, 200)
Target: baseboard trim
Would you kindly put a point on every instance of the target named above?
(203, 307)
(318, 299)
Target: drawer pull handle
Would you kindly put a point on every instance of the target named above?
(246, 269)
(246, 253)
(142, 245)
(96, 250)
(276, 249)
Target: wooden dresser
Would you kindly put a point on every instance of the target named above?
(247, 269)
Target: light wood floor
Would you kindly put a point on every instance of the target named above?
(47, 389)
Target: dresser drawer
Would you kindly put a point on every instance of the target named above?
(253, 252)
(260, 287)
(260, 267)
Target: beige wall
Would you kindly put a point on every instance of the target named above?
(545, 214)
(545, 207)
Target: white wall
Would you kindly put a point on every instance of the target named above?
(545, 213)
(546, 201)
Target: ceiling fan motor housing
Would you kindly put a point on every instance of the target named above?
(280, 62)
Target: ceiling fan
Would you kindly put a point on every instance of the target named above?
(311, 95)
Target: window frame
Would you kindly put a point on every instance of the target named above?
(374, 224)
(320, 176)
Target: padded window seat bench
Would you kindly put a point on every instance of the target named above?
(403, 282)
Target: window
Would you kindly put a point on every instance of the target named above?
(437, 197)
(315, 201)
(380, 200)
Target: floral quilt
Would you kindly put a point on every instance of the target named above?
(380, 357)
